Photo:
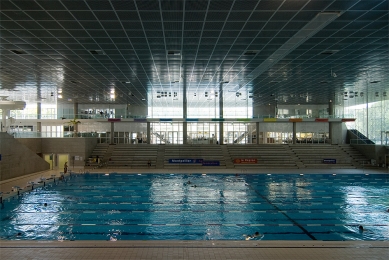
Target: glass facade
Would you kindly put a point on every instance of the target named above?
(370, 111)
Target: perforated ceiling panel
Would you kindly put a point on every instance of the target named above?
(130, 51)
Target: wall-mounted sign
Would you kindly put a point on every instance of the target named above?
(329, 161)
(246, 161)
(185, 161)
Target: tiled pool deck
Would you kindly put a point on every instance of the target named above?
(210, 249)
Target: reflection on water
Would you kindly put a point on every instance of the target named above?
(201, 207)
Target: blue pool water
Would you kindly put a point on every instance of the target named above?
(214, 206)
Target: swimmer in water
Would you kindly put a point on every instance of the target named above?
(255, 235)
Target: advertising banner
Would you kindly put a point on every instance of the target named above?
(185, 160)
(329, 161)
(246, 161)
(211, 163)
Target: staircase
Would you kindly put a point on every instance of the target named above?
(359, 160)
(362, 139)
(312, 156)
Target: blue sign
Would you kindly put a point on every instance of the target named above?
(185, 160)
(329, 161)
(211, 163)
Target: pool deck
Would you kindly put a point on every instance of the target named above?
(210, 249)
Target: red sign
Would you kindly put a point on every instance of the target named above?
(246, 161)
(114, 119)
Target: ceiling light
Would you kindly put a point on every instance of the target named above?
(175, 53)
(250, 53)
(59, 96)
(18, 52)
(97, 52)
(143, 99)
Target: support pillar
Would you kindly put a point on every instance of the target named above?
(112, 132)
(39, 110)
(294, 133)
(39, 128)
(221, 113)
(257, 131)
(75, 116)
(330, 124)
(75, 110)
(3, 120)
(221, 134)
(185, 132)
(184, 114)
(148, 133)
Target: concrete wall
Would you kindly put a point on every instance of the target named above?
(339, 133)
(78, 149)
(17, 159)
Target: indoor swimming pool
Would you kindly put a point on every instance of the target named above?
(118, 206)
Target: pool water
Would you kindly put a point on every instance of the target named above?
(201, 207)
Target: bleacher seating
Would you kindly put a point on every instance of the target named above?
(292, 156)
(133, 156)
(312, 156)
(99, 151)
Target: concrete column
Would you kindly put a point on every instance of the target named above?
(39, 128)
(185, 132)
(75, 108)
(330, 108)
(331, 114)
(257, 131)
(3, 120)
(148, 133)
(294, 133)
(112, 132)
(221, 134)
(184, 101)
(39, 110)
(221, 113)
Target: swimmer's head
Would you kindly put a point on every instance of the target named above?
(45, 204)
(360, 228)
